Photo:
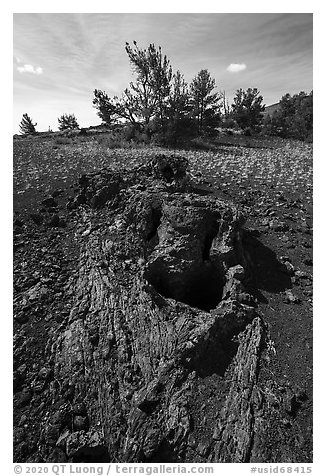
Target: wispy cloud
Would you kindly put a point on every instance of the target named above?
(28, 68)
(236, 67)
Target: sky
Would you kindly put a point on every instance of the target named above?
(60, 58)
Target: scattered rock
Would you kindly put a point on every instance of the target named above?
(278, 225)
(159, 305)
(303, 275)
(288, 268)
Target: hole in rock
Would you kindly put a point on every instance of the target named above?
(202, 287)
(155, 223)
(216, 358)
(208, 242)
(167, 173)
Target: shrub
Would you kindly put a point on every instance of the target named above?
(247, 131)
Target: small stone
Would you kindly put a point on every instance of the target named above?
(303, 275)
(236, 272)
(291, 298)
(22, 420)
(284, 259)
(288, 268)
(44, 373)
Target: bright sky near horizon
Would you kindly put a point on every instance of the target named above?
(60, 58)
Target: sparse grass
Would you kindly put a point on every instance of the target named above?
(62, 141)
(275, 165)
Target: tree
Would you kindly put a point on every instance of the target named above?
(147, 97)
(67, 122)
(293, 118)
(106, 107)
(149, 94)
(225, 106)
(26, 125)
(179, 98)
(180, 124)
(205, 103)
(248, 109)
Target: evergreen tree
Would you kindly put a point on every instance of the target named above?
(147, 97)
(150, 92)
(67, 122)
(180, 124)
(26, 125)
(248, 109)
(293, 118)
(106, 107)
(205, 103)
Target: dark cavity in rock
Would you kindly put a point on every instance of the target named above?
(186, 272)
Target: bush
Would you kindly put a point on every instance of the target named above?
(247, 131)
(62, 140)
(229, 123)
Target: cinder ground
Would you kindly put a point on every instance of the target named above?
(270, 180)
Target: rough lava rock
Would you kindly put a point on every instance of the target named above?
(158, 311)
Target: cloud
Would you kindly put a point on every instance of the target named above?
(236, 67)
(28, 68)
